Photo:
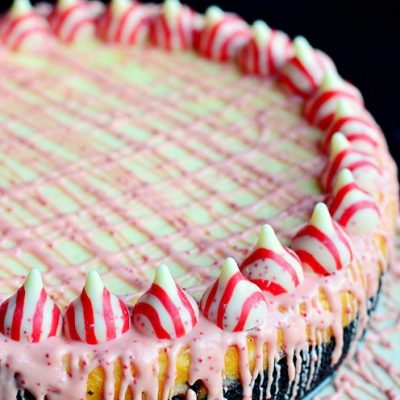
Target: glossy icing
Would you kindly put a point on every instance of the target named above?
(97, 188)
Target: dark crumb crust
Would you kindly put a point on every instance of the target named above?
(281, 388)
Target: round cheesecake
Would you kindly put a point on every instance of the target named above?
(190, 206)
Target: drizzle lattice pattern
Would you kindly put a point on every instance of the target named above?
(120, 161)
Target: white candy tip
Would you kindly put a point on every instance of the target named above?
(330, 80)
(93, 285)
(33, 280)
(302, 47)
(163, 276)
(213, 14)
(344, 178)
(321, 218)
(260, 31)
(338, 144)
(118, 6)
(20, 7)
(171, 8)
(343, 108)
(268, 239)
(64, 4)
(229, 267)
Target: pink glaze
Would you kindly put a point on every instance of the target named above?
(40, 366)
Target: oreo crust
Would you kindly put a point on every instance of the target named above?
(281, 389)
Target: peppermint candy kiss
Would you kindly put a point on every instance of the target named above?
(73, 20)
(223, 35)
(96, 316)
(341, 155)
(233, 303)
(303, 74)
(322, 245)
(356, 125)
(126, 22)
(174, 28)
(319, 110)
(24, 29)
(165, 311)
(271, 266)
(266, 52)
(30, 315)
(351, 207)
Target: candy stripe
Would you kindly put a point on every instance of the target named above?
(354, 208)
(88, 318)
(324, 98)
(37, 320)
(152, 315)
(309, 259)
(226, 296)
(253, 300)
(125, 315)
(352, 166)
(269, 286)
(169, 306)
(260, 254)
(187, 306)
(325, 241)
(55, 320)
(108, 315)
(73, 333)
(18, 315)
(210, 299)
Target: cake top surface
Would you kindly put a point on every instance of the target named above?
(119, 160)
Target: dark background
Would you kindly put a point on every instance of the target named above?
(362, 37)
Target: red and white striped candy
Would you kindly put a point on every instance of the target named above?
(126, 22)
(322, 245)
(272, 267)
(233, 303)
(73, 20)
(356, 125)
(320, 109)
(303, 74)
(165, 311)
(30, 315)
(341, 155)
(175, 27)
(352, 207)
(266, 52)
(223, 35)
(23, 29)
(96, 316)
